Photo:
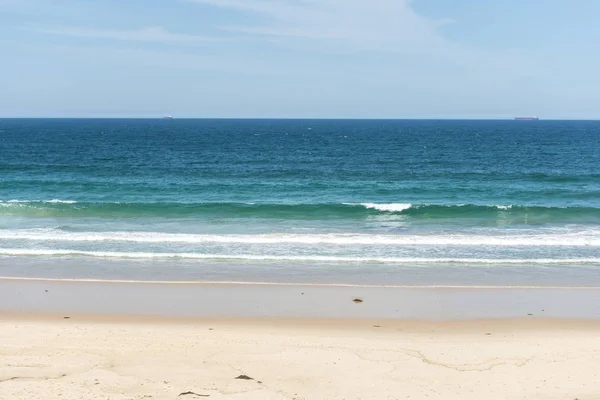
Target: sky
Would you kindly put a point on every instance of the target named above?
(300, 58)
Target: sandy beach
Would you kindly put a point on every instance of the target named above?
(101, 340)
(86, 357)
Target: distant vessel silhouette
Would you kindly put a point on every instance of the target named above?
(527, 118)
(168, 117)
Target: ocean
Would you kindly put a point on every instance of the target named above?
(371, 202)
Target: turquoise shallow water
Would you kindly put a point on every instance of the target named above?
(302, 200)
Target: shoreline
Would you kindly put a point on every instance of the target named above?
(298, 284)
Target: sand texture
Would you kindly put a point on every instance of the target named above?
(49, 357)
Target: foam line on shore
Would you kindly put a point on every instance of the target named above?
(311, 258)
(302, 284)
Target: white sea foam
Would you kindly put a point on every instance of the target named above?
(332, 259)
(390, 207)
(55, 201)
(553, 238)
(60, 201)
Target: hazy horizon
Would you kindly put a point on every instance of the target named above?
(306, 119)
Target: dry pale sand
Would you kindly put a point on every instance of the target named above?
(48, 357)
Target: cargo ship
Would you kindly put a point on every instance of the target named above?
(527, 118)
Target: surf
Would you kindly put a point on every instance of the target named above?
(539, 238)
(537, 214)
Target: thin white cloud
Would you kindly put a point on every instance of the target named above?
(392, 27)
(154, 34)
(377, 24)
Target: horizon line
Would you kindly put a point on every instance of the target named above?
(301, 118)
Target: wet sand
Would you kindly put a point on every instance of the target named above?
(307, 301)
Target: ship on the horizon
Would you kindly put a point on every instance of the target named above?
(168, 116)
(527, 118)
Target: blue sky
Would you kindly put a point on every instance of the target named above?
(300, 58)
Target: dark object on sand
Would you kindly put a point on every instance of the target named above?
(66, 317)
(245, 377)
(357, 300)
(193, 394)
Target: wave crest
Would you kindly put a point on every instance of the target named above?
(53, 201)
(318, 211)
(391, 207)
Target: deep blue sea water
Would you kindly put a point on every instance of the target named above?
(397, 202)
